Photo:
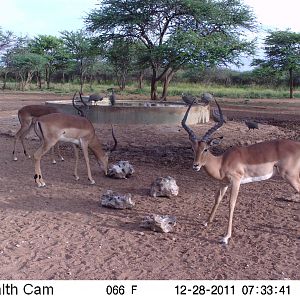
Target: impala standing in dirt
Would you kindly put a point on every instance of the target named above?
(27, 115)
(239, 165)
(68, 128)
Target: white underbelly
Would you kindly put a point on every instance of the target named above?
(259, 172)
(69, 140)
(256, 178)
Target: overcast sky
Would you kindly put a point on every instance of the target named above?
(277, 14)
(33, 17)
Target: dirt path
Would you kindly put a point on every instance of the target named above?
(61, 232)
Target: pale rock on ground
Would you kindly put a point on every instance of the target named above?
(115, 200)
(164, 187)
(159, 223)
(121, 170)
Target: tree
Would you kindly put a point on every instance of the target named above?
(175, 32)
(120, 56)
(6, 39)
(282, 53)
(51, 48)
(25, 65)
(81, 49)
(21, 62)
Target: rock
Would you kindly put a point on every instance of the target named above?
(121, 170)
(164, 187)
(159, 223)
(115, 200)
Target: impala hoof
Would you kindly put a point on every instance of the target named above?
(205, 224)
(53, 161)
(224, 240)
(76, 177)
(92, 181)
(15, 158)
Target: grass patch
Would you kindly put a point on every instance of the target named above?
(175, 89)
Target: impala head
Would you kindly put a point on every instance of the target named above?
(103, 162)
(104, 156)
(201, 146)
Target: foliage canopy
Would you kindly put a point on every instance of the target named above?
(176, 32)
(282, 53)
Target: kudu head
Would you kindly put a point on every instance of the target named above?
(201, 146)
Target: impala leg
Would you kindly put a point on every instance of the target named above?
(294, 181)
(23, 144)
(219, 196)
(59, 153)
(53, 155)
(76, 152)
(22, 132)
(87, 161)
(44, 148)
(234, 193)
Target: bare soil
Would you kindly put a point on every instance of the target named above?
(61, 231)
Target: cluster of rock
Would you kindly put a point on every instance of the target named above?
(161, 187)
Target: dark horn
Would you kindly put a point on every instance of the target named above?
(115, 139)
(191, 133)
(208, 134)
(80, 112)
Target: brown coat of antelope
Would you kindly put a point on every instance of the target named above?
(68, 128)
(27, 115)
(240, 165)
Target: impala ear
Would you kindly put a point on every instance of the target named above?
(216, 141)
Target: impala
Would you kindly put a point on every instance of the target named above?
(239, 165)
(27, 115)
(78, 130)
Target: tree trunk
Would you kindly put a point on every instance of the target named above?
(21, 82)
(47, 77)
(154, 84)
(91, 81)
(119, 81)
(81, 76)
(141, 80)
(168, 78)
(39, 80)
(28, 79)
(4, 81)
(291, 83)
(124, 81)
(63, 77)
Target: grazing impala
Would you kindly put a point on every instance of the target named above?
(239, 165)
(68, 128)
(27, 115)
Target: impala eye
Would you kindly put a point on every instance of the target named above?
(205, 150)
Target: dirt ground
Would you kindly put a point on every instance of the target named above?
(62, 232)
